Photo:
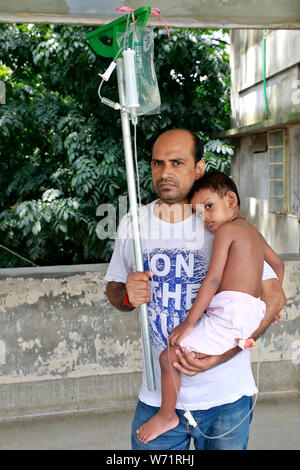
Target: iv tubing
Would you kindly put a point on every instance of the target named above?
(264, 73)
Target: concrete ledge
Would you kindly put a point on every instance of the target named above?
(262, 126)
(114, 391)
(277, 376)
(70, 270)
(275, 426)
(290, 256)
(52, 271)
(105, 392)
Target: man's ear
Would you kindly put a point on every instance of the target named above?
(200, 169)
(231, 198)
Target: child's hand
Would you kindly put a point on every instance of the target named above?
(278, 318)
(180, 332)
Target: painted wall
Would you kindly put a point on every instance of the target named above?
(250, 173)
(63, 326)
(250, 169)
(282, 75)
(64, 347)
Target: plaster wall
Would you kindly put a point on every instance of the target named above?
(282, 75)
(64, 347)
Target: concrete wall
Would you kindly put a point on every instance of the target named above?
(64, 347)
(282, 75)
(250, 173)
(250, 169)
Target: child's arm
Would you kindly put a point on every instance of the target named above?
(222, 242)
(273, 259)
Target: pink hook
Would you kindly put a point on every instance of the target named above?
(131, 10)
(156, 12)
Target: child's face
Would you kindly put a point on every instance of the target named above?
(215, 209)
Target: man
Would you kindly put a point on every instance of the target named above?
(216, 389)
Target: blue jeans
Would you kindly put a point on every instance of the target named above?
(212, 422)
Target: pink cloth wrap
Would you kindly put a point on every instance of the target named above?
(229, 315)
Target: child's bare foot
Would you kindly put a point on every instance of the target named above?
(158, 424)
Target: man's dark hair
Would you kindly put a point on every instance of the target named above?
(217, 182)
(198, 148)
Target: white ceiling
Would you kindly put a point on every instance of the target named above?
(270, 14)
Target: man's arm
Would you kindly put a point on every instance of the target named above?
(273, 259)
(116, 294)
(274, 297)
(137, 288)
(193, 363)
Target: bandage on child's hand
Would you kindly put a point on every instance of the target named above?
(245, 344)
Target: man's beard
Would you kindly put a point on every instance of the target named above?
(169, 196)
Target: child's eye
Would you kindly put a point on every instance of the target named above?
(208, 206)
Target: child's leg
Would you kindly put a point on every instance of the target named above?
(166, 418)
(169, 375)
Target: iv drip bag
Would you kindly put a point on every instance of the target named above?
(130, 79)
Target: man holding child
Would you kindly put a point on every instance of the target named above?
(217, 389)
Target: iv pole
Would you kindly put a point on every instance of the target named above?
(135, 222)
(111, 31)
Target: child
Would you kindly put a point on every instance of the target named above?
(230, 292)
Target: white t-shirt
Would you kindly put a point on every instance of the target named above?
(179, 256)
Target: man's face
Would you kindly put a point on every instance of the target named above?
(173, 166)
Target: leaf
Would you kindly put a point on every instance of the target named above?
(36, 228)
(51, 194)
(63, 227)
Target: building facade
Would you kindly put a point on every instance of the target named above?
(265, 107)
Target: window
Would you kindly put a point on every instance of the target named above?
(277, 172)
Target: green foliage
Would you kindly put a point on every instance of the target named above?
(193, 73)
(217, 155)
(61, 150)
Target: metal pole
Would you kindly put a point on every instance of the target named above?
(135, 223)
